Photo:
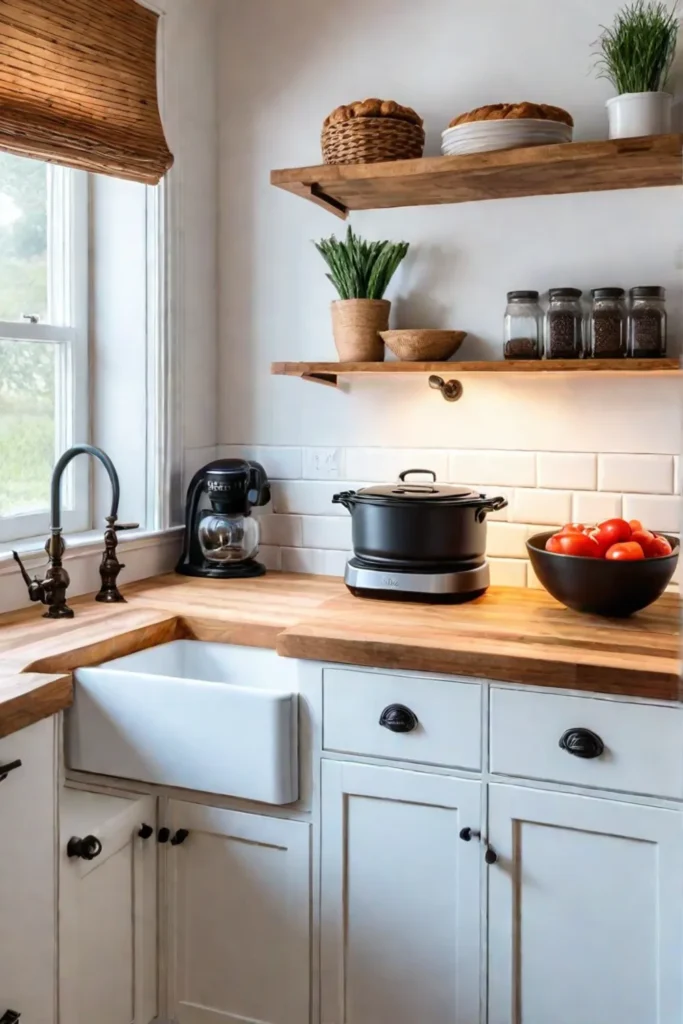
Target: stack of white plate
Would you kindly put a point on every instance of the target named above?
(511, 133)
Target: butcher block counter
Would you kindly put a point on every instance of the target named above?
(511, 635)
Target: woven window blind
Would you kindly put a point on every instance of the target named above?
(78, 86)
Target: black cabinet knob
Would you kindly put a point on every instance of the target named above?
(146, 831)
(398, 718)
(582, 743)
(10, 1017)
(87, 849)
(468, 834)
(163, 835)
(5, 769)
(180, 837)
(490, 856)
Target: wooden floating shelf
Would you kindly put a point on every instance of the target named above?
(329, 373)
(645, 162)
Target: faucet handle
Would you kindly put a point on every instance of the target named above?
(36, 589)
(126, 526)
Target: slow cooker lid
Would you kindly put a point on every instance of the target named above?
(413, 490)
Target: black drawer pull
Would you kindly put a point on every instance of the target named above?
(180, 837)
(398, 718)
(146, 831)
(163, 835)
(10, 1017)
(582, 743)
(87, 849)
(5, 769)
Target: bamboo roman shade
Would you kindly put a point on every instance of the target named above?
(78, 86)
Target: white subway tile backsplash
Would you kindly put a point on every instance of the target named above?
(279, 463)
(514, 469)
(677, 474)
(532, 579)
(282, 530)
(324, 532)
(320, 563)
(308, 497)
(271, 557)
(567, 471)
(656, 512)
(644, 474)
(323, 463)
(507, 572)
(542, 508)
(383, 465)
(506, 540)
(590, 508)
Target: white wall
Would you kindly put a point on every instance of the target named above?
(283, 68)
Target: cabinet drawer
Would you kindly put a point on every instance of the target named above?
(448, 712)
(643, 744)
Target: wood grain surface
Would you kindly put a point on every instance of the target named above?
(520, 636)
(540, 170)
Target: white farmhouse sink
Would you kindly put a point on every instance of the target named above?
(209, 717)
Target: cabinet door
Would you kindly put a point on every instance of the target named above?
(400, 897)
(108, 905)
(239, 917)
(28, 891)
(585, 910)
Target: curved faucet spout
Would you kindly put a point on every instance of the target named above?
(58, 472)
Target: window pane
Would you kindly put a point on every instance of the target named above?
(27, 425)
(23, 237)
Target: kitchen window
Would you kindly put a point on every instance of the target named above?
(43, 342)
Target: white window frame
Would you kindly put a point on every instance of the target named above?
(68, 274)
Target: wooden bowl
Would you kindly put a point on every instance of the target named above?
(423, 346)
(599, 586)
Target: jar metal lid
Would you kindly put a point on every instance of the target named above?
(522, 296)
(565, 293)
(608, 293)
(650, 291)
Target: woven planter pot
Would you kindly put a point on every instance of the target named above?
(371, 140)
(356, 325)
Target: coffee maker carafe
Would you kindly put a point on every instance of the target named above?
(221, 535)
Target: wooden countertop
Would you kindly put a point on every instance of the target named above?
(512, 635)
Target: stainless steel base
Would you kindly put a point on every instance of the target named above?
(431, 584)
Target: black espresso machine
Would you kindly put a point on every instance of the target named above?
(221, 535)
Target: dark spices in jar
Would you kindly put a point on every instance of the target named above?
(608, 324)
(521, 348)
(564, 325)
(647, 323)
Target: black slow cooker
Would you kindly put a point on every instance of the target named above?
(425, 526)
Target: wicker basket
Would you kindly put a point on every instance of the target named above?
(371, 140)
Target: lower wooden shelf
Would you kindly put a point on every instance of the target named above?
(329, 373)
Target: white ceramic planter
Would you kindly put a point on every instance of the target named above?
(639, 113)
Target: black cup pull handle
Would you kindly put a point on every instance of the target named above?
(10, 1017)
(408, 472)
(163, 835)
(146, 831)
(5, 769)
(582, 743)
(87, 848)
(398, 718)
(180, 837)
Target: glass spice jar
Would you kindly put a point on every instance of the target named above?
(608, 323)
(564, 324)
(647, 323)
(523, 326)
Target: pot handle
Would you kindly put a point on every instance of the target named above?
(345, 499)
(407, 472)
(490, 505)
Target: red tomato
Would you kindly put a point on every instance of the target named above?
(628, 551)
(573, 544)
(603, 543)
(573, 528)
(613, 531)
(635, 525)
(660, 547)
(646, 541)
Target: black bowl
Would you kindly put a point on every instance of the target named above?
(599, 586)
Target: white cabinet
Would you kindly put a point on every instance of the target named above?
(108, 910)
(240, 909)
(28, 920)
(585, 910)
(400, 897)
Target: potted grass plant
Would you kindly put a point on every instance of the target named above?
(635, 54)
(361, 272)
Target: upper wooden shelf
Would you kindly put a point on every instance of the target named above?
(540, 170)
(328, 373)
